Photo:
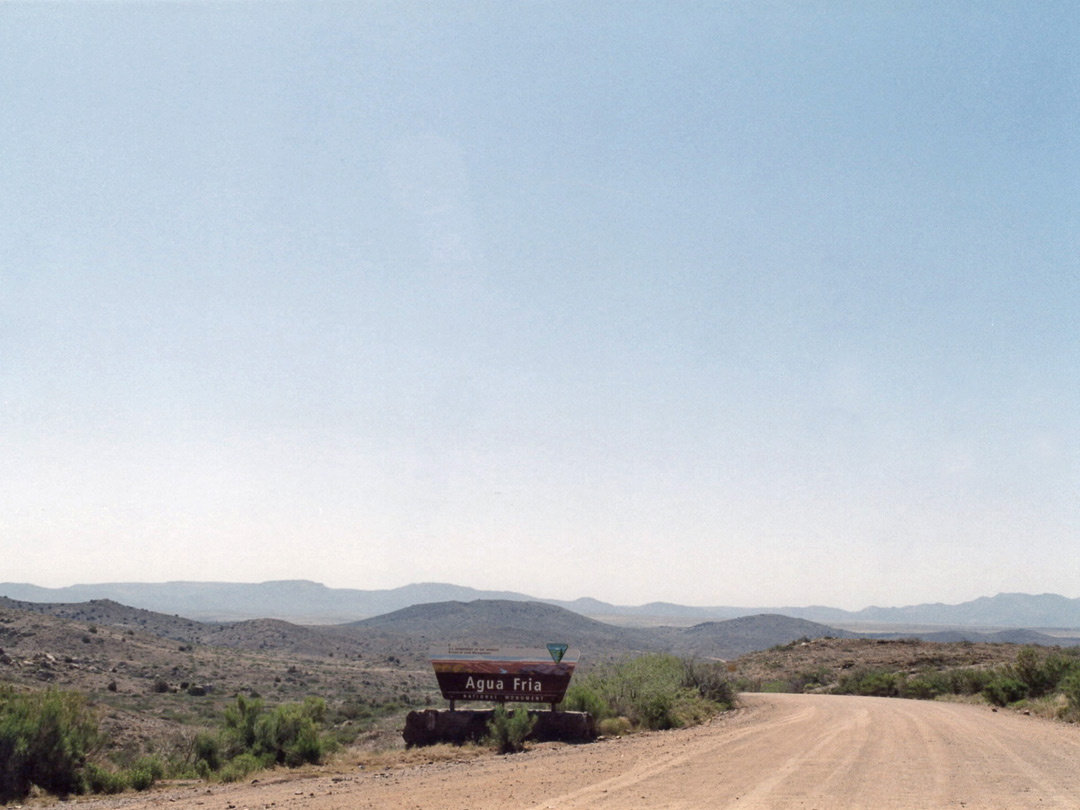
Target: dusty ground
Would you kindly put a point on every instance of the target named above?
(777, 752)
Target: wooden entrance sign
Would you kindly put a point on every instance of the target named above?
(517, 675)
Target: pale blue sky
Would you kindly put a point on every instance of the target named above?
(716, 303)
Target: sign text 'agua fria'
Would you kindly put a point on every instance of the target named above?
(474, 672)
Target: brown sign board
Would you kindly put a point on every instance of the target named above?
(471, 672)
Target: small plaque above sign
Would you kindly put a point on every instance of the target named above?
(520, 675)
(557, 651)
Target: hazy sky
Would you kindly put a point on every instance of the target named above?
(752, 303)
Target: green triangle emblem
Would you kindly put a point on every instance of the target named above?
(557, 651)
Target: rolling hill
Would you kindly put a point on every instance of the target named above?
(408, 634)
(735, 637)
(507, 623)
(304, 602)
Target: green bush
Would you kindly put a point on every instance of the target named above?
(145, 772)
(969, 681)
(657, 710)
(654, 691)
(1070, 687)
(286, 735)
(1041, 674)
(141, 778)
(1004, 690)
(45, 738)
(289, 734)
(240, 721)
(874, 683)
(206, 751)
(648, 689)
(807, 679)
(585, 697)
(711, 680)
(507, 731)
(926, 685)
(242, 765)
(102, 780)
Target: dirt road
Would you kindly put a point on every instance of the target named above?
(779, 751)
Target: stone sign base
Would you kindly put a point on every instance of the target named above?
(433, 726)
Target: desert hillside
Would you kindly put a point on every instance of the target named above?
(158, 681)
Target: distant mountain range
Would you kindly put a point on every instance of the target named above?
(305, 602)
(408, 634)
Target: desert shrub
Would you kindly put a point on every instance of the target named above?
(654, 691)
(1004, 689)
(141, 778)
(507, 731)
(102, 780)
(926, 685)
(742, 683)
(874, 683)
(145, 772)
(241, 766)
(656, 710)
(657, 691)
(206, 750)
(1028, 670)
(289, 734)
(711, 680)
(614, 726)
(1070, 688)
(814, 678)
(240, 720)
(585, 697)
(45, 738)
(354, 716)
(796, 684)
(646, 690)
(1042, 674)
(969, 681)
(919, 688)
(1058, 666)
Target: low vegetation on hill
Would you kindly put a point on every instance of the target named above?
(1044, 679)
